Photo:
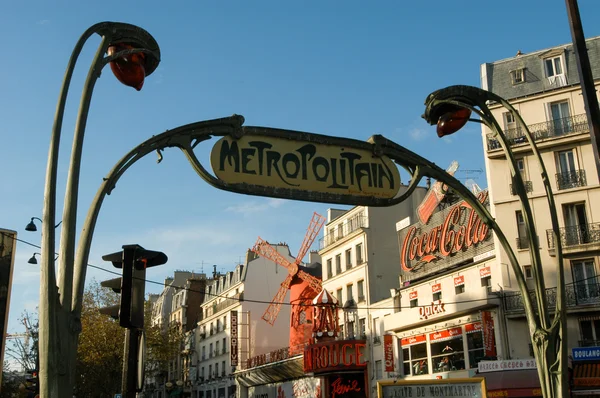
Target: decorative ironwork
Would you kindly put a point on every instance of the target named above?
(528, 188)
(540, 131)
(571, 179)
(522, 243)
(354, 223)
(579, 293)
(576, 235)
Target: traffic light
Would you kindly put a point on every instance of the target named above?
(31, 383)
(134, 260)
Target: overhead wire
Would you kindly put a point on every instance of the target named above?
(205, 292)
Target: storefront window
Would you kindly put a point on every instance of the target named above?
(476, 351)
(418, 359)
(448, 355)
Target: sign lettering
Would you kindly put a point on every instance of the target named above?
(338, 387)
(234, 338)
(282, 163)
(445, 334)
(507, 364)
(461, 229)
(488, 333)
(436, 287)
(413, 295)
(432, 388)
(485, 272)
(388, 352)
(335, 355)
(435, 308)
(459, 280)
(413, 340)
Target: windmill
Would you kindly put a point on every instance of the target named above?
(295, 272)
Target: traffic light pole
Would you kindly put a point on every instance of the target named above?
(130, 363)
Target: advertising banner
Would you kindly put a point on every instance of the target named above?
(458, 388)
(300, 388)
(388, 352)
(234, 338)
(488, 334)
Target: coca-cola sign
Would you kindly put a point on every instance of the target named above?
(458, 229)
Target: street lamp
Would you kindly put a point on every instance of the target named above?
(31, 227)
(450, 108)
(33, 260)
(133, 54)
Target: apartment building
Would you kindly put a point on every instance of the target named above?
(360, 260)
(232, 332)
(544, 87)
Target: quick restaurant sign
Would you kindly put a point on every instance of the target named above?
(283, 163)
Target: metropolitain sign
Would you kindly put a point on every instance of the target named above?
(456, 230)
(276, 162)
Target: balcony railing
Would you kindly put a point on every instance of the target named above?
(571, 179)
(350, 226)
(528, 188)
(589, 343)
(522, 243)
(576, 235)
(579, 293)
(540, 131)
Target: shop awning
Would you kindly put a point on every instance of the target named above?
(586, 375)
(513, 383)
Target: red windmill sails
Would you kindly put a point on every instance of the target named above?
(295, 273)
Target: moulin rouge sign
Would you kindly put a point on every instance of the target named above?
(461, 230)
(335, 355)
(283, 163)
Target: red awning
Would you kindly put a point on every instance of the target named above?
(586, 375)
(513, 383)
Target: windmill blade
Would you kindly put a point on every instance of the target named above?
(316, 223)
(264, 249)
(273, 309)
(314, 283)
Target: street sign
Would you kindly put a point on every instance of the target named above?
(303, 164)
(117, 395)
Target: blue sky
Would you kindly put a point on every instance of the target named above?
(343, 68)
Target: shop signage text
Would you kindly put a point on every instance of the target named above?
(341, 387)
(507, 364)
(459, 280)
(457, 232)
(485, 272)
(335, 355)
(388, 352)
(273, 356)
(436, 288)
(435, 308)
(430, 390)
(413, 295)
(586, 353)
(283, 163)
(445, 334)
(413, 340)
(234, 338)
(488, 333)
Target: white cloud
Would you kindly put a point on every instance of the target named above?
(255, 206)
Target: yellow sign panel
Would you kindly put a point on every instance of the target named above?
(305, 166)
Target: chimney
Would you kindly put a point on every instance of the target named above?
(215, 271)
(313, 257)
(168, 281)
(250, 255)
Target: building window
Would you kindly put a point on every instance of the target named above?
(360, 286)
(448, 355)
(329, 269)
(517, 76)
(415, 359)
(414, 303)
(522, 240)
(217, 369)
(340, 231)
(218, 325)
(376, 331)
(459, 289)
(223, 368)
(586, 283)
(359, 254)
(217, 348)
(437, 296)
(590, 332)
(349, 292)
(528, 271)
(210, 372)
(561, 118)
(475, 347)
(348, 259)
(338, 295)
(486, 282)
(202, 373)
(378, 370)
(568, 173)
(362, 328)
(225, 322)
(203, 352)
(210, 350)
(576, 226)
(338, 264)
(553, 66)
(224, 345)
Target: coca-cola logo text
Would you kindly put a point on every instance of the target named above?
(450, 237)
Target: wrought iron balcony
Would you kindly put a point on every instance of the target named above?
(576, 235)
(528, 188)
(350, 226)
(589, 343)
(522, 243)
(571, 179)
(580, 293)
(540, 131)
